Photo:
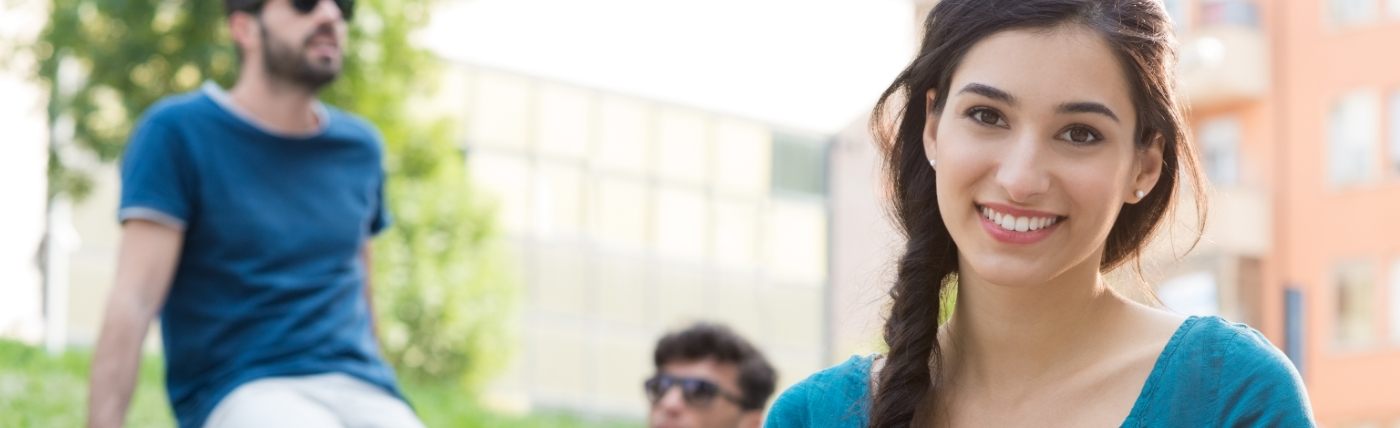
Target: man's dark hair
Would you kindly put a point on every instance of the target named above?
(708, 340)
(249, 6)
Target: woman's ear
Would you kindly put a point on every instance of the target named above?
(1148, 170)
(931, 128)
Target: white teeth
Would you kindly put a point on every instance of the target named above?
(1019, 224)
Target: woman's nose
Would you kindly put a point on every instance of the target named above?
(1022, 169)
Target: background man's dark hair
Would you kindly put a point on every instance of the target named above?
(249, 6)
(707, 340)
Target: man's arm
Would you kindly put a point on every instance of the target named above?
(145, 265)
(365, 259)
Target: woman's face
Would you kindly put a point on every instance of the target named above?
(1035, 153)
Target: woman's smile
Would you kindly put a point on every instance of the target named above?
(1012, 225)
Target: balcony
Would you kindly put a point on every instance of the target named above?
(1240, 221)
(1224, 57)
(1239, 224)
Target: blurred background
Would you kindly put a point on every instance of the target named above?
(572, 179)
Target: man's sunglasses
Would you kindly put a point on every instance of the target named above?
(696, 391)
(347, 7)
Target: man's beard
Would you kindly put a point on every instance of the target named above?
(290, 64)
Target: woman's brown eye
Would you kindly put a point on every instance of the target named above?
(1080, 135)
(986, 116)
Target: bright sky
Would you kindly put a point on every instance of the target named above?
(814, 65)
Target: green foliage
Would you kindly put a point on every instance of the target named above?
(39, 390)
(126, 55)
(946, 304)
(949, 302)
(440, 300)
(438, 280)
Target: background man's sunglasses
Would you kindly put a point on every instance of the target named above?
(697, 392)
(347, 7)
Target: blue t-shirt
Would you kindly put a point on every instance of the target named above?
(1211, 373)
(269, 280)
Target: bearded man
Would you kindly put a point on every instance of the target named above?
(246, 217)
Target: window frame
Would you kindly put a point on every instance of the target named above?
(1337, 122)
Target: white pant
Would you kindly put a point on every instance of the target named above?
(332, 400)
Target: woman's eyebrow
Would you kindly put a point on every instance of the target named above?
(1087, 107)
(989, 92)
(1070, 107)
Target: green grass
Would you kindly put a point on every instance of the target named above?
(39, 390)
(444, 406)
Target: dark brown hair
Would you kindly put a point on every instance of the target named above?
(706, 340)
(1140, 35)
(249, 6)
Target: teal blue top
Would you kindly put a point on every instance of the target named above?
(1211, 373)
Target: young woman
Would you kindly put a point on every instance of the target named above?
(1039, 144)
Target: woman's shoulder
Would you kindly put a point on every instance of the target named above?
(835, 396)
(1232, 369)
(1231, 346)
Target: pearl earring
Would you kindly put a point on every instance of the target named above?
(1140, 194)
(933, 163)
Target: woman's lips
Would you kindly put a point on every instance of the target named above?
(1015, 225)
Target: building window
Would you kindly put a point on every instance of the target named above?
(1352, 134)
(1353, 323)
(505, 178)
(795, 241)
(742, 159)
(562, 122)
(799, 165)
(1229, 12)
(557, 204)
(1394, 129)
(683, 146)
(681, 217)
(734, 237)
(1343, 13)
(618, 213)
(500, 112)
(1220, 139)
(1395, 302)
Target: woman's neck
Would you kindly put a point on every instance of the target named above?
(1018, 337)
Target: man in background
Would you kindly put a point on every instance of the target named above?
(246, 217)
(708, 377)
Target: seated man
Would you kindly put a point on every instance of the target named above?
(719, 380)
(246, 219)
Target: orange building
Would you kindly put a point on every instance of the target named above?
(1296, 112)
